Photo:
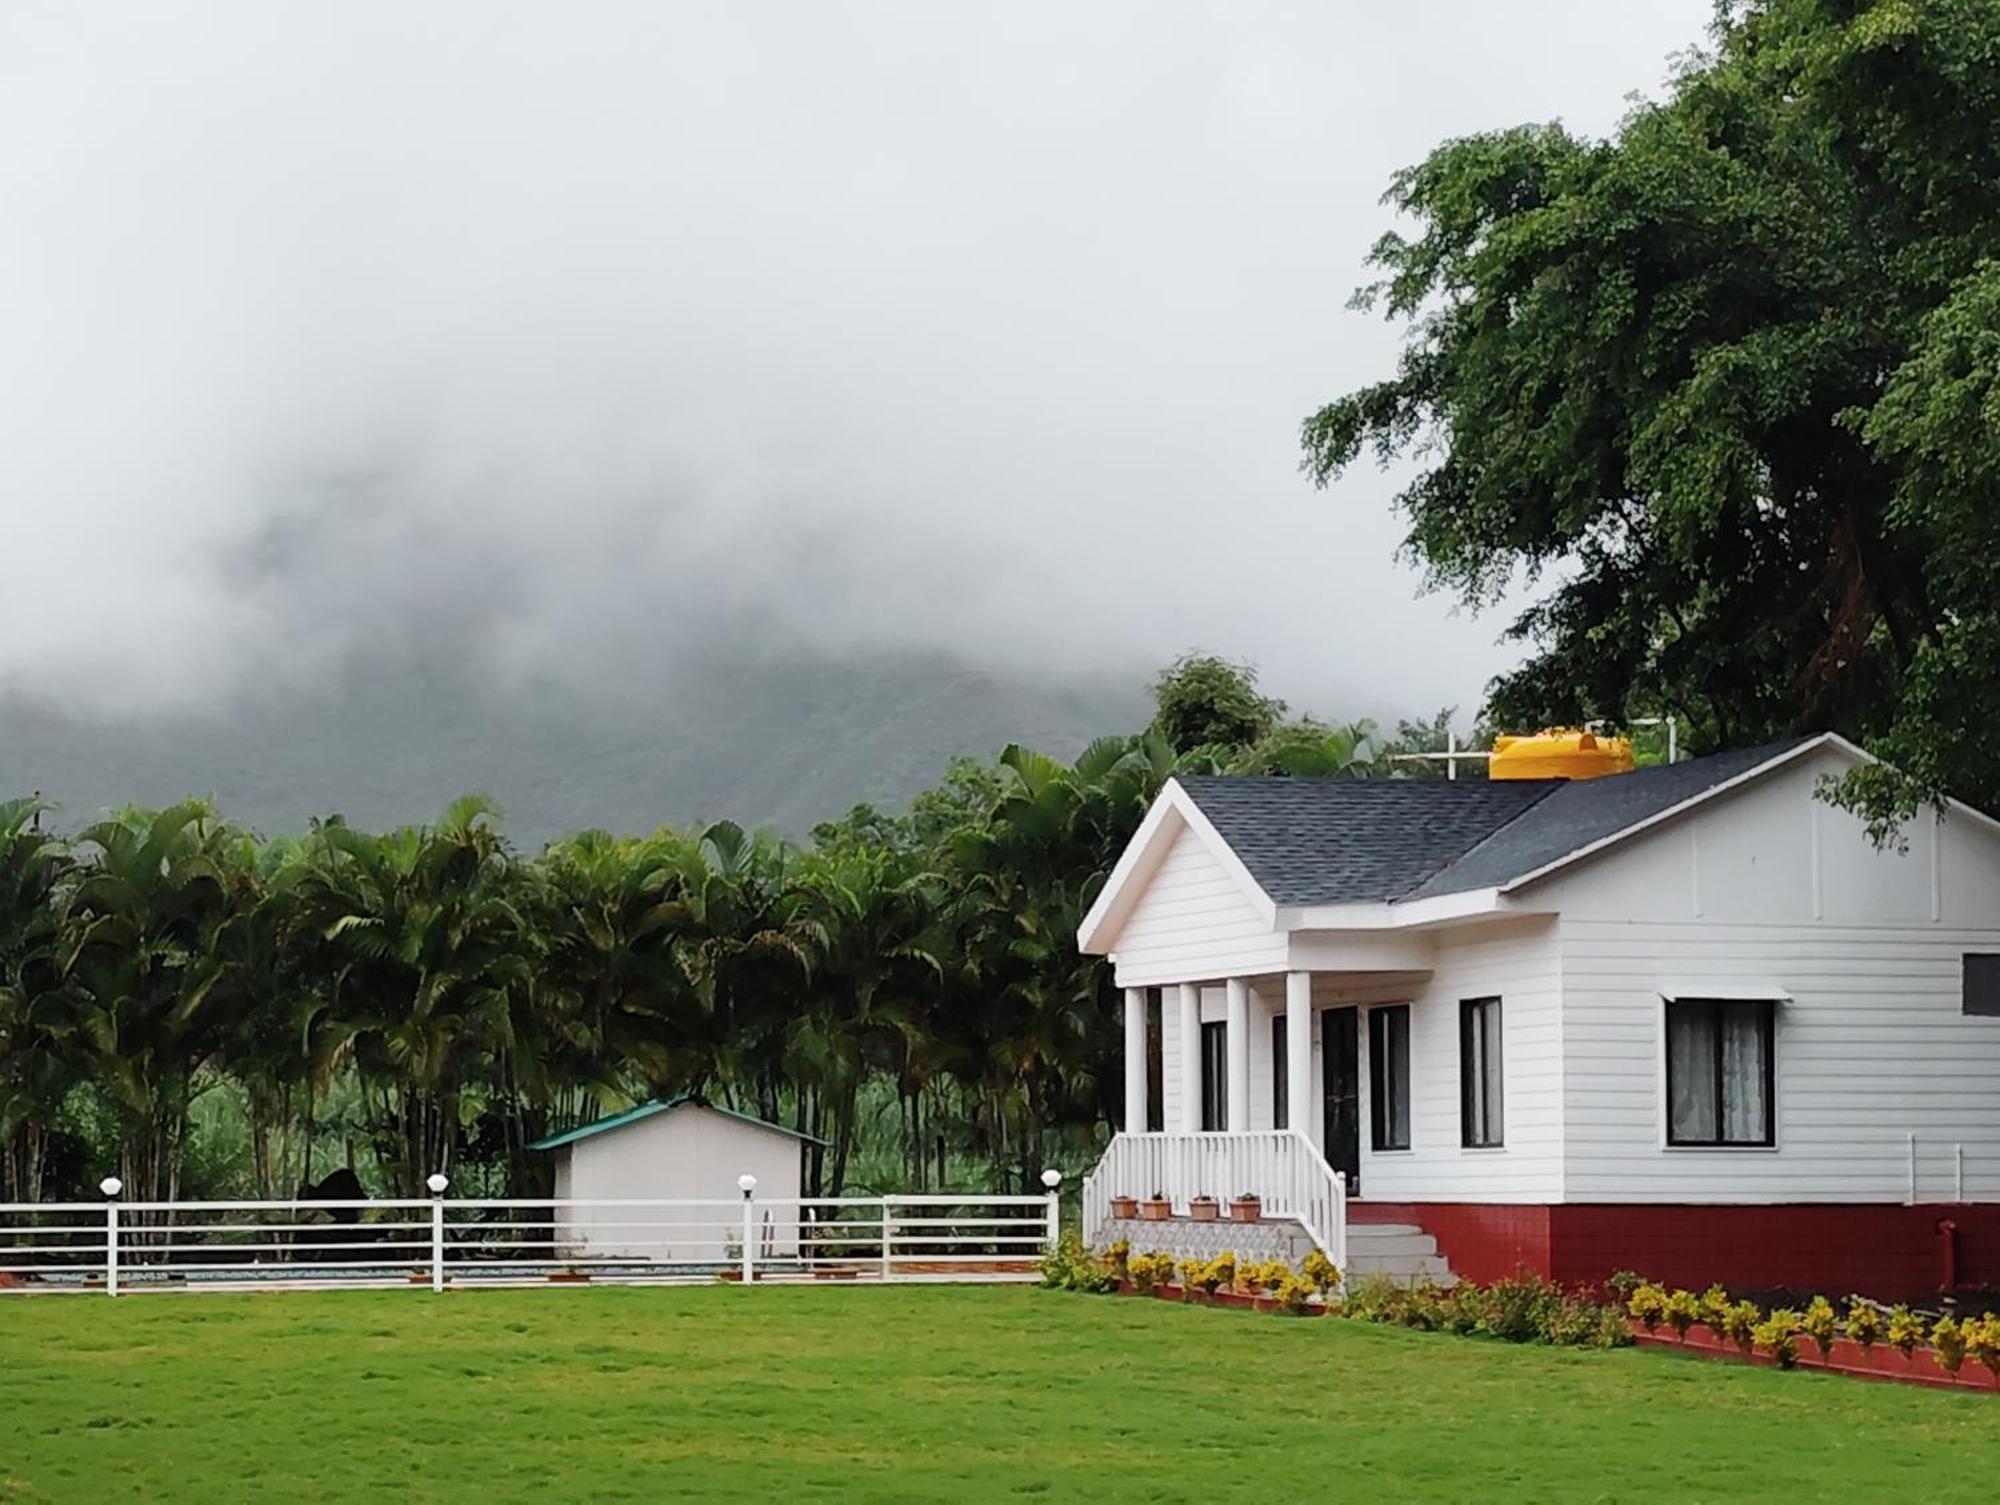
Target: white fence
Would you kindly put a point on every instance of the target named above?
(1280, 1166)
(441, 1242)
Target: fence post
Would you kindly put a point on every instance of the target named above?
(747, 1184)
(437, 1183)
(1052, 1181)
(111, 1186)
(885, 1238)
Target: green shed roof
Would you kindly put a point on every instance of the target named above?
(647, 1110)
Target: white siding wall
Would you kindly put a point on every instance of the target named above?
(1518, 962)
(1773, 887)
(687, 1152)
(1194, 922)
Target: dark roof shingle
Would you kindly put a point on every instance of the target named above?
(1344, 841)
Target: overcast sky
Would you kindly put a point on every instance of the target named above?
(983, 327)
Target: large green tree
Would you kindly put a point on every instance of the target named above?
(1731, 380)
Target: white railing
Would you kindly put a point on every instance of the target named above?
(115, 1246)
(1279, 1166)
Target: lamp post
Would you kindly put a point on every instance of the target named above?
(437, 1182)
(1052, 1183)
(747, 1184)
(111, 1186)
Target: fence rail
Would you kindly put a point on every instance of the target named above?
(1280, 1166)
(439, 1242)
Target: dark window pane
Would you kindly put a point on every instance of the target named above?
(1280, 1108)
(1982, 984)
(1389, 1077)
(1481, 1094)
(1215, 1075)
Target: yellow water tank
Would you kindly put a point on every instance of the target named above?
(1559, 753)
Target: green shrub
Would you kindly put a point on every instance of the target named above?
(1775, 1335)
(1151, 1270)
(1948, 1344)
(1982, 1340)
(1373, 1298)
(1118, 1260)
(1648, 1303)
(1906, 1330)
(1294, 1293)
(1739, 1324)
(1322, 1272)
(1466, 1309)
(1715, 1305)
(1682, 1310)
(1820, 1323)
(1864, 1324)
(1518, 1307)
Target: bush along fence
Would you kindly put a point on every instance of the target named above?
(1892, 1343)
(1522, 1309)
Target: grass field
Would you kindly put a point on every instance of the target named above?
(918, 1394)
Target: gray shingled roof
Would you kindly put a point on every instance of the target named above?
(1345, 841)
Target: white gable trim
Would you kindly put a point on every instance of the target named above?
(1174, 811)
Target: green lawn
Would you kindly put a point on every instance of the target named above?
(919, 1394)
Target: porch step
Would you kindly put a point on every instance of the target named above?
(1398, 1251)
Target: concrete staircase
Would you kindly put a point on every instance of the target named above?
(1402, 1252)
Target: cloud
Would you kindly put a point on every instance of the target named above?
(577, 333)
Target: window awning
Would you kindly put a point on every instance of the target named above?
(1737, 988)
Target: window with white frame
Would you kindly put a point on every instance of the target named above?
(1481, 1096)
(1721, 1071)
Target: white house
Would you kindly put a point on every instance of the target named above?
(1685, 1020)
(678, 1150)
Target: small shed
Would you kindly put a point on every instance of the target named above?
(677, 1151)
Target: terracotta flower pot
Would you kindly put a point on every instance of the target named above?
(1246, 1209)
(1125, 1207)
(1204, 1209)
(1155, 1210)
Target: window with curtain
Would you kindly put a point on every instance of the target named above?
(1481, 1097)
(1720, 1071)
(1215, 1075)
(1280, 1106)
(1389, 1077)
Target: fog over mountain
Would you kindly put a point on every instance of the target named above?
(648, 412)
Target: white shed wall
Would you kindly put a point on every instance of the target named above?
(1769, 886)
(687, 1152)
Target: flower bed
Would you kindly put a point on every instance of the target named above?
(1869, 1342)
(1878, 1362)
(1196, 1296)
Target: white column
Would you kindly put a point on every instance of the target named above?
(1239, 1054)
(1135, 1060)
(1190, 1053)
(1298, 1051)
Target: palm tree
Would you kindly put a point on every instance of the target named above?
(36, 1071)
(424, 949)
(142, 947)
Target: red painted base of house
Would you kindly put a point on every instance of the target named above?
(1889, 1252)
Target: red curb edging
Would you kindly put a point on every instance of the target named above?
(1881, 1362)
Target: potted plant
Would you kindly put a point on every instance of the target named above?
(1247, 1208)
(1204, 1209)
(1156, 1208)
(1125, 1207)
